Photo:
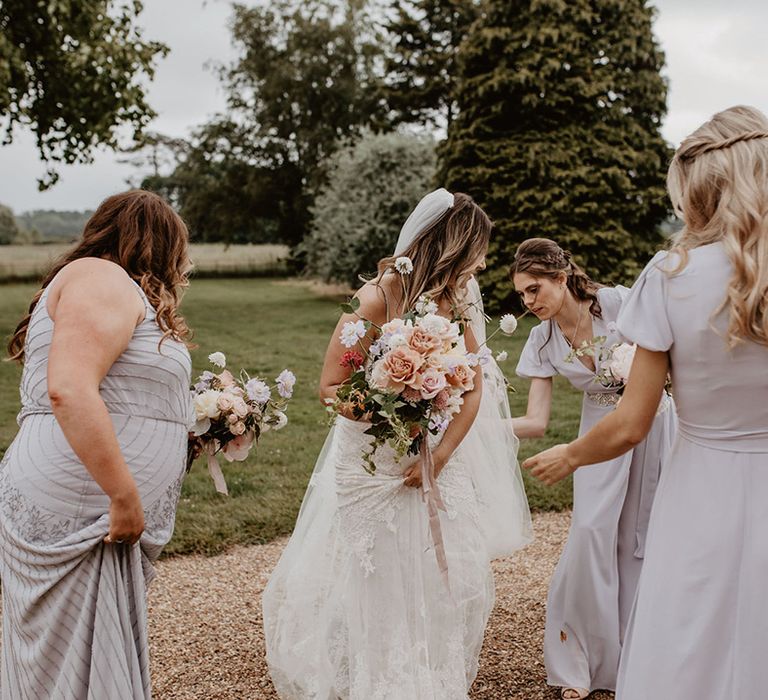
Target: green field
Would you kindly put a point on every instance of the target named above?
(28, 262)
(265, 325)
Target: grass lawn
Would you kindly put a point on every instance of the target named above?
(265, 325)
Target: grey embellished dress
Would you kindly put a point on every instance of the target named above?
(593, 587)
(74, 608)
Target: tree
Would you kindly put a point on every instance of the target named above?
(73, 71)
(9, 229)
(420, 67)
(304, 80)
(372, 186)
(558, 133)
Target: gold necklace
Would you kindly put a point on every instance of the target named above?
(576, 332)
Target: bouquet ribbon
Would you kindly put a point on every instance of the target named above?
(214, 469)
(434, 502)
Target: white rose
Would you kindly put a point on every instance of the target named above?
(206, 404)
(621, 362)
(218, 359)
(508, 324)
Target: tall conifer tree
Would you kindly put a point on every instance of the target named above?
(558, 132)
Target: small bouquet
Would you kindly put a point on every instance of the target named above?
(231, 413)
(613, 363)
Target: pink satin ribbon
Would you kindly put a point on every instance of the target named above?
(434, 501)
(214, 468)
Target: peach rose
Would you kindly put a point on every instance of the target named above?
(240, 407)
(225, 402)
(424, 342)
(237, 428)
(462, 377)
(397, 369)
(226, 379)
(432, 383)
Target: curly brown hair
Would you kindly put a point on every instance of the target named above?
(542, 257)
(142, 233)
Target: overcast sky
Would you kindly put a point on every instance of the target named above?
(716, 55)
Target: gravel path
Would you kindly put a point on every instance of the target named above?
(205, 624)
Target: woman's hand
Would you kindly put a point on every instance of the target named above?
(412, 475)
(126, 519)
(552, 465)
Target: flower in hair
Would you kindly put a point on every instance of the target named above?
(404, 265)
(508, 324)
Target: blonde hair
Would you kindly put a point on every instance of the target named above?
(718, 184)
(443, 254)
(142, 233)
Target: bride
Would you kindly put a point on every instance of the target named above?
(357, 607)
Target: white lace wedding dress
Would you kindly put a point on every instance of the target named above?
(357, 607)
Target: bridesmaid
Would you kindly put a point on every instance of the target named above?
(89, 486)
(699, 627)
(594, 584)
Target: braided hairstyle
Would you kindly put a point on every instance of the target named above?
(718, 184)
(542, 257)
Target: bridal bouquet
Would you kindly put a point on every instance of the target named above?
(409, 382)
(231, 413)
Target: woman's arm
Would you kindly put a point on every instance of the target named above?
(373, 306)
(458, 427)
(618, 432)
(536, 419)
(95, 309)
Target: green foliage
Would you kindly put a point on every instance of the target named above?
(303, 80)
(559, 132)
(267, 489)
(53, 224)
(9, 229)
(372, 186)
(421, 70)
(73, 71)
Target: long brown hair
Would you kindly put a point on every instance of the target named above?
(542, 257)
(142, 233)
(718, 184)
(443, 253)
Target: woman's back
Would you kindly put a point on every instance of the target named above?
(147, 380)
(721, 393)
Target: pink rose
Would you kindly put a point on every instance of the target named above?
(240, 407)
(237, 428)
(397, 369)
(238, 448)
(225, 402)
(226, 379)
(462, 377)
(432, 383)
(424, 342)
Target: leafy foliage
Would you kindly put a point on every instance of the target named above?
(9, 229)
(73, 71)
(421, 70)
(372, 186)
(559, 132)
(301, 83)
(55, 224)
